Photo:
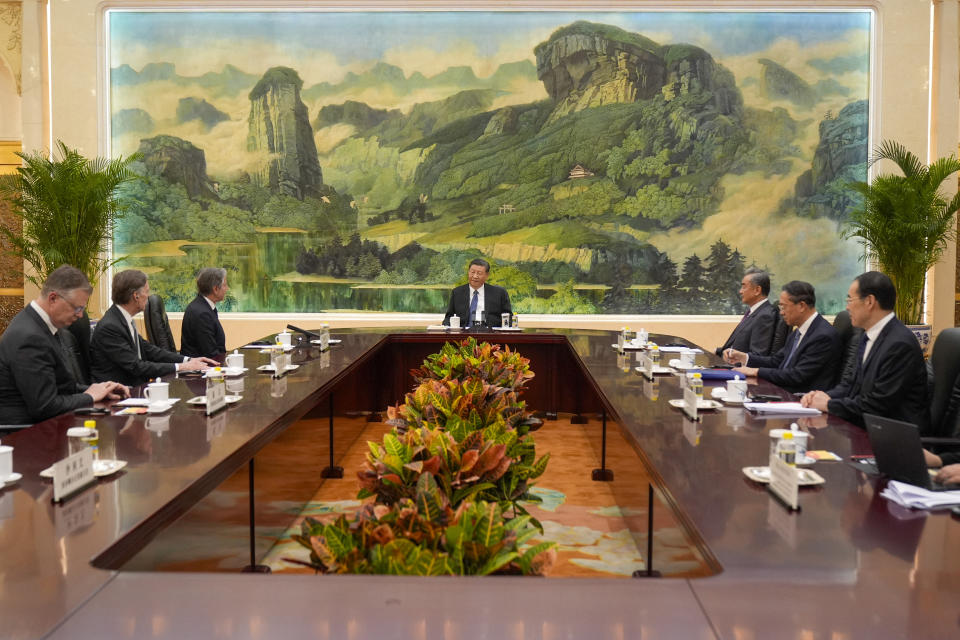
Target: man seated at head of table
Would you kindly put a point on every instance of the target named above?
(891, 377)
(477, 303)
(36, 382)
(754, 334)
(810, 358)
(201, 333)
(118, 352)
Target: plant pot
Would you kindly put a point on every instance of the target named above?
(924, 333)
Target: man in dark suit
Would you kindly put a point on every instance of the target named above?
(755, 332)
(201, 333)
(118, 351)
(891, 379)
(810, 359)
(478, 303)
(36, 379)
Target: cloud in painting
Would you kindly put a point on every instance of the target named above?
(794, 248)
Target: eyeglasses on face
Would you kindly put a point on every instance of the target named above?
(77, 309)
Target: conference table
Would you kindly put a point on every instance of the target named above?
(848, 564)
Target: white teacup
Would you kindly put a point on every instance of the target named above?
(6, 462)
(688, 357)
(737, 390)
(157, 392)
(454, 322)
(285, 338)
(235, 360)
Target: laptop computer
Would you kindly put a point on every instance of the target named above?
(898, 452)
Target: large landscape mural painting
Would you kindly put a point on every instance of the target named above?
(626, 162)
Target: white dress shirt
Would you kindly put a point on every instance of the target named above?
(43, 316)
(478, 317)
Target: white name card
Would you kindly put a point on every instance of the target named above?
(690, 402)
(784, 482)
(216, 396)
(72, 474)
(646, 366)
(282, 362)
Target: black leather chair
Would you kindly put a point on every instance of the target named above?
(78, 344)
(73, 358)
(158, 324)
(849, 343)
(780, 332)
(945, 397)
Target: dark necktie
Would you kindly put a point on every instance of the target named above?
(794, 341)
(473, 308)
(862, 350)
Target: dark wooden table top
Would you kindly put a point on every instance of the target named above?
(848, 565)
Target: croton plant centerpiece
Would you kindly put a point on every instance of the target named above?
(449, 480)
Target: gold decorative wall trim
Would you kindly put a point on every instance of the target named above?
(11, 38)
(9, 160)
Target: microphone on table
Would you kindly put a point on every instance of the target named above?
(309, 334)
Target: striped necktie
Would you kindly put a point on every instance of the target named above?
(794, 341)
(473, 308)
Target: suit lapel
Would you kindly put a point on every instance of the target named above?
(744, 324)
(124, 325)
(44, 330)
(877, 344)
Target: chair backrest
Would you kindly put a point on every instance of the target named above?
(78, 342)
(849, 344)
(70, 347)
(780, 332)
(158, 324)
(945, 362)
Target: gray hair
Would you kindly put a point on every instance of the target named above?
(66, 279)
(759, 278)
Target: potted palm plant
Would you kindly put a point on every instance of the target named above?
(68, 206)
(905, 223)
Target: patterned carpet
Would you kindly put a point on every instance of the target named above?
(600, 527)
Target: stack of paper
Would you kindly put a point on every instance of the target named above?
(781, 408)
(915, 497)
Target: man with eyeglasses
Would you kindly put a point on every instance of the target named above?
(810, 358)
(891, 377)
(118, 351)
(36, 381)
